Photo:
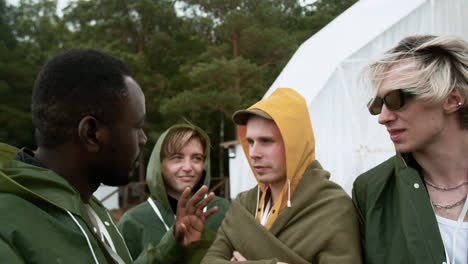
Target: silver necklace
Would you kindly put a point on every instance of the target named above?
(449, 206)
(444, 189)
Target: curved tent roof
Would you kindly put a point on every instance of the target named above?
(325, 70)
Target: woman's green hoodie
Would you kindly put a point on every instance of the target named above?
(142, 226)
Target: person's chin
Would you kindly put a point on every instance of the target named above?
(401, 146)
(183, 186)
(264, 179)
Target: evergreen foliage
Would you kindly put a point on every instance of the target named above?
(196, 60)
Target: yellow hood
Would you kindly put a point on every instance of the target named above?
(289, 111)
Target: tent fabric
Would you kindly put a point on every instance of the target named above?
(326, 69)
(240, 174)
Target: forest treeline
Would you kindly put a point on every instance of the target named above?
(196, 60)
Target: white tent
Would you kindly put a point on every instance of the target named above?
(111, 202)
(325, 71)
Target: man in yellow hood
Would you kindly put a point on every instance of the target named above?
(294, 214)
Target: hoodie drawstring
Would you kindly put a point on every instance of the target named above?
(118, 232)
(289, 193)
(86, 236)
(156, 210)
(206, 207)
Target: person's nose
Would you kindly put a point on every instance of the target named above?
(255, 151)
(143, 138)
(386, 115)
(187, 165)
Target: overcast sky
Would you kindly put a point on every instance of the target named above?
(63, 3)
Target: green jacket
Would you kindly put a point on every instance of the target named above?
(319, 227)
(43, 219)
(398, 224)
(141, 226)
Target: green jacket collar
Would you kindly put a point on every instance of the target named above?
(397, 216)
(416, 209)
(37, 184)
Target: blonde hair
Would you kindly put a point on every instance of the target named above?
(177, 138)
(438, 64)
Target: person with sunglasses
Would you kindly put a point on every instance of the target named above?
(412, 208)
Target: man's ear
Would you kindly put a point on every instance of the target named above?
(454, 101)
(91, 134)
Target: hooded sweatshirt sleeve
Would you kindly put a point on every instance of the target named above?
(221, 252)
(8, 254)
(168, 251)
(132, 232)
(344, 245)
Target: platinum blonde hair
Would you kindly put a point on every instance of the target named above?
(433, 65)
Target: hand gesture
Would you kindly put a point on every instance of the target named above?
(190, 217)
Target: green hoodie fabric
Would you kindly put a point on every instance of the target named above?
(43, 219)
(319, 226)
(141, 226)
(398, 224)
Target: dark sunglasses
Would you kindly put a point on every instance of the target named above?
(393, 100)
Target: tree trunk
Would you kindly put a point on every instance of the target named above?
(235, 54)
(235, 43)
